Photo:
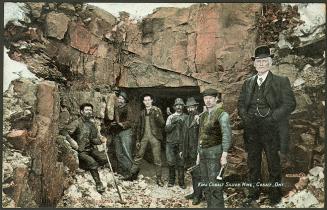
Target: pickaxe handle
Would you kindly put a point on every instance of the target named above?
(112, 173)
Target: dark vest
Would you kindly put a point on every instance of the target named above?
(210, 133)
(259, 101)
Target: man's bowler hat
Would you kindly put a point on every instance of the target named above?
(262, 52)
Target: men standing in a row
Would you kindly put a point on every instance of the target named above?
(149, 129)
(122, 134)
(83, 136)
(174, 138)
(214, 143)
(265, 102)
(190, 146)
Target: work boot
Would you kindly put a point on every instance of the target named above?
(196, 200)
(99, 187)
(159, 181)
(181, 182)
(132, 176)
(98, 184)
(275, 196)
(198, 196)
(159, 175)
(172, 175)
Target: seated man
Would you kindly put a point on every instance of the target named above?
(87, 136)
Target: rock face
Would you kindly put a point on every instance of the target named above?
(208, 40)
(39, 181)
(56, 25)
(83, 52)
(48, 175)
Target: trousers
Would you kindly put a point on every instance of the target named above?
(263, 136)
(123, 149)
(210, 166)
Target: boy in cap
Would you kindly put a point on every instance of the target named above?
(174, 145)
(214, 143)
(265, 102)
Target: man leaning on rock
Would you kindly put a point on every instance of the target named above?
(84, 137)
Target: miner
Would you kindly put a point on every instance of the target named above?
(174, 143)
(190, 145)
(149, 130)
(214, 143)
(84, 137)
(265, 102)
(121, 129)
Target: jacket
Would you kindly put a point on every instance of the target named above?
(191, 141)
(122, 115)
(279, 96)
(174, 128)
(84, 132)
(157, 124)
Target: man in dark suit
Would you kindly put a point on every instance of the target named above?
(265, 102)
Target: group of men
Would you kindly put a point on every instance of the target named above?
(197, 141)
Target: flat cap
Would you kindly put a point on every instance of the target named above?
(210, 92)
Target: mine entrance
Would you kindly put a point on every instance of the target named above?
(163, 97)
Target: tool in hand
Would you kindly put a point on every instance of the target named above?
(219, 177)
(112, 173)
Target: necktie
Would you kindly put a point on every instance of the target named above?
(260, 81)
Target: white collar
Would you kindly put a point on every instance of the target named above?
(264, 76)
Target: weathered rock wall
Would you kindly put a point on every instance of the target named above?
(38, 181)
(204, 45)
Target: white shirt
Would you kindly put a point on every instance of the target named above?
(264, 76)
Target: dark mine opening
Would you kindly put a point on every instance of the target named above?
(163, 97)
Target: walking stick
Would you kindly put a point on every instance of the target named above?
(112, 173)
